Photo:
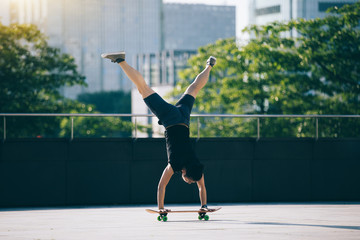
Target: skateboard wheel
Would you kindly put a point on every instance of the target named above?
(206, 217)
(165, 218)
(159, 218)
(200, 217)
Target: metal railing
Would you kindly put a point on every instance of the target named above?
(198, 116)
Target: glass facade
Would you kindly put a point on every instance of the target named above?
(268, 10)
(87, 28)
(189, 26)
(323, 6)
(265, 11)
(186, 27)
(161, 69)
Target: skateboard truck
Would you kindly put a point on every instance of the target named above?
(203, 215)
(204, 209)
(162, 217)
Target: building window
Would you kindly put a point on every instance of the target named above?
(267, 10)
(323, 6)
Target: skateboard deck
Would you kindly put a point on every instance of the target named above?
(202, 213)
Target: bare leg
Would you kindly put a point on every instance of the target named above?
(199, 82)
(137, 79)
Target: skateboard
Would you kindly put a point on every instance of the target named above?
(202, 213)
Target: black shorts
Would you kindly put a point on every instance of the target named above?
(169, 114)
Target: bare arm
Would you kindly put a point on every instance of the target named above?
(164, 180)
(202, 191)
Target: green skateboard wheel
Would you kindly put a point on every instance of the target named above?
(159, 218)
(165, 218)
(206, 217)
(200, 217)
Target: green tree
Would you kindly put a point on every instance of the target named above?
(108, 102)
(316, 72)
(98, 127)
(31, 74)
(104, 102)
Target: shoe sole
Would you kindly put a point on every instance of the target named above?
(105, 55)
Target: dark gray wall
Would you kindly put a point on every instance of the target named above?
(57, 172)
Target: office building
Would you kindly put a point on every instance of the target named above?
(186, 28)
(265, 11)
(87, 28)
(161, 72)
(189, 26)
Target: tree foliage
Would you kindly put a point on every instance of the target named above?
(314, 72)
(108, 102)
(31, 75)
(32, 72)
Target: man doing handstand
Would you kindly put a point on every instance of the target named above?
(176, 120)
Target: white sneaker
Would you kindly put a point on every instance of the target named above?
(211, 61)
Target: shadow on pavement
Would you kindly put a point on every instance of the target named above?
(307, 225)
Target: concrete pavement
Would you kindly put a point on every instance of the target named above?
(233, 221)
